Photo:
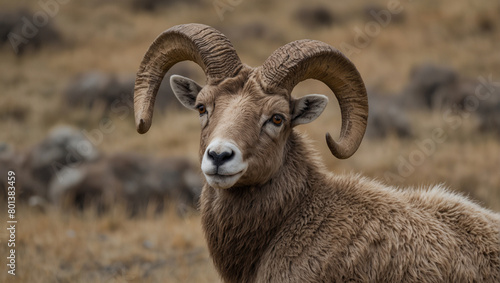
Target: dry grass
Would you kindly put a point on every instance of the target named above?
(69, 247)
(100, 35)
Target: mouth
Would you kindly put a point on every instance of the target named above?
(223, 181)
(217, 175)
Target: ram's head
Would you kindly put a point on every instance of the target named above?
(247, 114)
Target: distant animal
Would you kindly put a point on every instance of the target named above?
(271, 212)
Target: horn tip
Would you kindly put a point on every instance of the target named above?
(142, 126)
(336, 149)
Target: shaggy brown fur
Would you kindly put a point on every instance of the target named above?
(286, 219)
(308, 225)
(289, 220)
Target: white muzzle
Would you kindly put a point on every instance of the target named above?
(223, 164)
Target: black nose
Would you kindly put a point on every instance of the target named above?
(221, 158)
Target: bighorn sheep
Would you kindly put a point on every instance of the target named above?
(270, 210)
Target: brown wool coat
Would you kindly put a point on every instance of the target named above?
(309, 225)
(285, 218)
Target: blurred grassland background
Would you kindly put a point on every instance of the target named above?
(54, 244)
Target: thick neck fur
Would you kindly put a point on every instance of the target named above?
(239, 223)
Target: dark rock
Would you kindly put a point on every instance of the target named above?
(138, 180)
(113, 93)
(387, 117)
(315, 17)
(63, 147)
(426, 81)
(14, 26)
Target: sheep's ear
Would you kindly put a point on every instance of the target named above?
(306, 109)
(186, 90)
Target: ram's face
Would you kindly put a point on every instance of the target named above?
(247, 114)
(243, 136)
(243, 130)
(243, 133)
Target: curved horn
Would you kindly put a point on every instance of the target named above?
(202, 44)
(310, 59)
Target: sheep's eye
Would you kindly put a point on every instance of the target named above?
(202, 109)
(277, 120)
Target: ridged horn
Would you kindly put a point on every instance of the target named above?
(202, 44)
(311, 59)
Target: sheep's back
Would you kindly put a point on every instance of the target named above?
(358, 229)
